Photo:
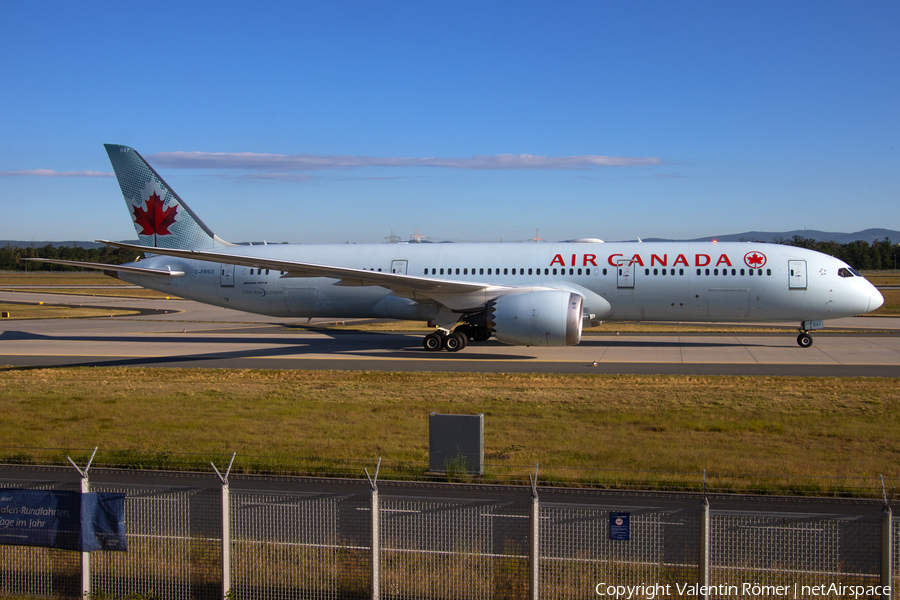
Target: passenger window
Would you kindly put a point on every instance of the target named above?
(442, 271)
(656, 271)
(734, 271)
(579, 271)
(481, 271)
(768, 272)
(604, 270)
(457, 271)
(742, 271)
(707, 271)
(715, 271)
(554, 270)
(529, 271)
(506, 271)
(681, 271)
(646, 271)
(547, 271)
(489, 271)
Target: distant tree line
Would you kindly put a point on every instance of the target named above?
(877, 256)
(10, 257)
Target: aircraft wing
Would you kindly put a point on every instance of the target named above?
(396, 282)
(109, 269)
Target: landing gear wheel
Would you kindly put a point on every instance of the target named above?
(805, 340)
(465, 331)
(454, 342)
(480, 334)
(433, 342)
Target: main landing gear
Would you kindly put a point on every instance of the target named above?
(456, 341)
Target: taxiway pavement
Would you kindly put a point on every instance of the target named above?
(181, 333)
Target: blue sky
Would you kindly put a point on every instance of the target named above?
(482, 121)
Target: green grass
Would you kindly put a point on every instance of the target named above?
(654, 431)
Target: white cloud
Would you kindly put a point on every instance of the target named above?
(50, 173)
(313, 162)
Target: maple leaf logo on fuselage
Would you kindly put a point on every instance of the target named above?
(154, 220)
(755, 260)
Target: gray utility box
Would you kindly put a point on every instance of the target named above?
(456, 443)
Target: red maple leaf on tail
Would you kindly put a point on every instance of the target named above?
(155, 220)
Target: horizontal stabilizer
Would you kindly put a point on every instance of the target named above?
(110, 268)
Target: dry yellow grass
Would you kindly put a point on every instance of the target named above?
(50, 311)
(834, 427)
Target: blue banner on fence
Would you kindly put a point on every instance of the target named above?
(66, 520)
(619, 526)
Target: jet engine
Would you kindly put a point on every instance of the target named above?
(537, 318)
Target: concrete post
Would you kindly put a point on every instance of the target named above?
(226, 527)
(534, 567)
(375, 514)
(85, 556)
(226, 540)
(703, 556)
(534, 541)
(887, 559)
(376, 550)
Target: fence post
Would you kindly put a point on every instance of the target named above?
(887, 532)
(703, 555)
(375, 522)
(85, 556)
(534, 546)
(886, 551)
(226, 528)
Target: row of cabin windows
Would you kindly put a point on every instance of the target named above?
(734, 272)
(507, 271)
(573, 271)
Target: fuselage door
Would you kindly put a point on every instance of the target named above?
(399, 266)
(227, 275)
(625, 273)
(797, 269)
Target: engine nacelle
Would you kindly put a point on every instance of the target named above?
(539, 318)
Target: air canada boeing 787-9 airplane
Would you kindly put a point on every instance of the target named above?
(530, 294)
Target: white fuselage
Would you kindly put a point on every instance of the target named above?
(677, 281)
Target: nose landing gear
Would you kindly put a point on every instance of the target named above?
(804, 340)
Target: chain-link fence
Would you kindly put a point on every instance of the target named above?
(292, 537)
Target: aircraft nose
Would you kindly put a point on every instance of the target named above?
(875, 300)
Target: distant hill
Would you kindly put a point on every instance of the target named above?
(38, 244)
(867, 235)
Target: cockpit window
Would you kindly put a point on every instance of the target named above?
(855, 272)
(845, 272)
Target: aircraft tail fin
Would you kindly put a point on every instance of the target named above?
(161, 218)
